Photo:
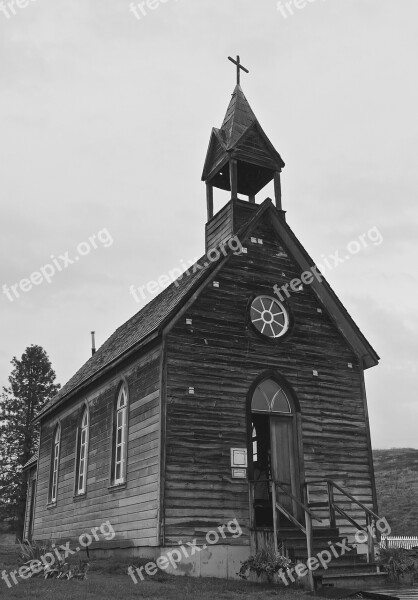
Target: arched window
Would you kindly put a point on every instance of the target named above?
(120, 436)
(55, 459)
(269, 397)
(82, 452)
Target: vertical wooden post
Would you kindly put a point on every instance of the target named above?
(332, 519)
(233, 178)
(309, 548)
(278, 190)
(252, 199)
(209, 200)
(370, 538)
(275, 532)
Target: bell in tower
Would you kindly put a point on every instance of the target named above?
(240, 158)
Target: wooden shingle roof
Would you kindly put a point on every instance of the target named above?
(149, 319)
(239, 117)
(31, 462)
(154, 316)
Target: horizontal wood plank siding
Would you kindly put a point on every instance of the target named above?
(133, 509)
(219, 229)
(221, 356)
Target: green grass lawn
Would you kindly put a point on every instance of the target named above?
(107, 580)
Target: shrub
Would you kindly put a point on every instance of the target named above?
(266, 562)
(59, 569)
(397, 562)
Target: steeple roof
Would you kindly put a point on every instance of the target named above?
(242, 138)
(239, 117)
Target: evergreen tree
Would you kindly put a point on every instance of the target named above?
(31, 384)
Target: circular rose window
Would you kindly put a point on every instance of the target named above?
(269, 316)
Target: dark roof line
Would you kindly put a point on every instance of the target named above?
(137, 331)
(147, 324)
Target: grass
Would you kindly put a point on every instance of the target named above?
(397, 488)
(107, 580)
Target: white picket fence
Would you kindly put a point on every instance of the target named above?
(399, 541)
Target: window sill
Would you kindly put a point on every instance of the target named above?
(51, 505)
(78, 497)
(115, 487)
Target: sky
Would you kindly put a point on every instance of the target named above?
(106, 109)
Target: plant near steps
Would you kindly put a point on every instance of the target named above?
(30, 551)
(265, 562)
(398, 562)
(31, 557)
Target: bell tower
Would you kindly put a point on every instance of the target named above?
(240, 157)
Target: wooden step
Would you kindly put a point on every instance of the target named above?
(342, 566)
(355, 579)
(317, 532)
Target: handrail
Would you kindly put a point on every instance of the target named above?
(291, 518)
(333, 507)
(307, 530)
(309, 515)
(343, 491)
(293, 497)
(298, 502)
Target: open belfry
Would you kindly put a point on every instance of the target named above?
(223, 400)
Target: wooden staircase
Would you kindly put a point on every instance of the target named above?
(303, 542)
(352, 570)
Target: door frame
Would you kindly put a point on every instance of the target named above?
(297, 427)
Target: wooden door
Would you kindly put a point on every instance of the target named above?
(284, 460)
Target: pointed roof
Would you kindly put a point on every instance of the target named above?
(149, 322)
(239, 117)
(137, 330)
(241, 137)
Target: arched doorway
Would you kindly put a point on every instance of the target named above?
(274, 455)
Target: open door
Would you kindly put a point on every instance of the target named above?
(284, 462)
(275, 455)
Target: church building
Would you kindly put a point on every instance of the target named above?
(235, 395)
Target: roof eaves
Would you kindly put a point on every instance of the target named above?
(370, 356)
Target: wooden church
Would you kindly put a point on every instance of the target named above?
(221, 399)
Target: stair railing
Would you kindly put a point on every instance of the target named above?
(278, 506)
(333, 508)
(306, 529)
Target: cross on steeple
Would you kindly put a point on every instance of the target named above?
(239, 68)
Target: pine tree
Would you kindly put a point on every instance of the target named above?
(31, 384)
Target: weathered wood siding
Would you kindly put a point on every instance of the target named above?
(30, 475)
(220, 227)
(221, 355)
(133, 509)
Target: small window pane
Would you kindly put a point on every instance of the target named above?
(122, 399)
(259, 401)
(281, 403)
(269, 397)
(119, 418)
(270, 388)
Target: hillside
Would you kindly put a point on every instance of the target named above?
(396, 473)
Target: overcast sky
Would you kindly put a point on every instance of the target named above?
(105, 120)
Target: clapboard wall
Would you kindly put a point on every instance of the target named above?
(220, 356)
(30, 475)
(132, 509)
